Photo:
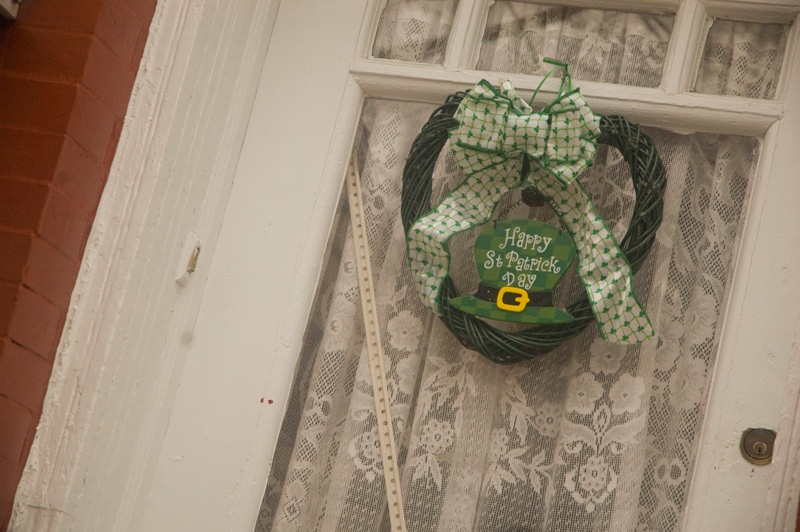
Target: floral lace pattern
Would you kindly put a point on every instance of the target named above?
(742, 59)
(414, 31)
(598, 45)
(592, 436)
(596, 434)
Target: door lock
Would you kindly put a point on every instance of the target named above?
(757, 445)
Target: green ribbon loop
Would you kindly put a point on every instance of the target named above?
(496, 131)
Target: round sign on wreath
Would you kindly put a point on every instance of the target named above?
(501, 144)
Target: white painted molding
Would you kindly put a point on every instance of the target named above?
(756, 379)
(636, 6)
(464, 41)
(369, 27)
(753, 11)
(685, 47)
(215, 461)
(782, 506)
(653, 107)
(130, 324)
(784, 89)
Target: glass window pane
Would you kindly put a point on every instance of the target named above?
(415, 30)
(742, 59)
(598, 45)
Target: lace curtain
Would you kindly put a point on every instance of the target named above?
(742, 59)
(591, 436)
(598, 45)
(414, 31)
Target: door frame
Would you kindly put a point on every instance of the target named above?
(128, 329)
(226, 356)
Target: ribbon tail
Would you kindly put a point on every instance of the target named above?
(470, 204)
(602, 266)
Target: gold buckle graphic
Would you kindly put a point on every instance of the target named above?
(520, 302)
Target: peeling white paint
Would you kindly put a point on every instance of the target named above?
(120, 356)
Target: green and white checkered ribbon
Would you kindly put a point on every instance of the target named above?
(496, 131)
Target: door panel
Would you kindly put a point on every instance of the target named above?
(510, 458)
(261, 287)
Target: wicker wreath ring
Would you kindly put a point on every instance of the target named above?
(649, 181)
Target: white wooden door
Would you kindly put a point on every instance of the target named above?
(216, 455)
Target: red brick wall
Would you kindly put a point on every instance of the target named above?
(66, 72)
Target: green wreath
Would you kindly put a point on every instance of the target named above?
(649, 182)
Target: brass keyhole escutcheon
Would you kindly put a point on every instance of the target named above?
(757, 445)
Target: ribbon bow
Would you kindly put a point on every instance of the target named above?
(498, 127)
(496, 131)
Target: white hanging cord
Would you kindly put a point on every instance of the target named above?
(391, 473)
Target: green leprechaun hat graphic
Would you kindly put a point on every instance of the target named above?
(519, 263)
